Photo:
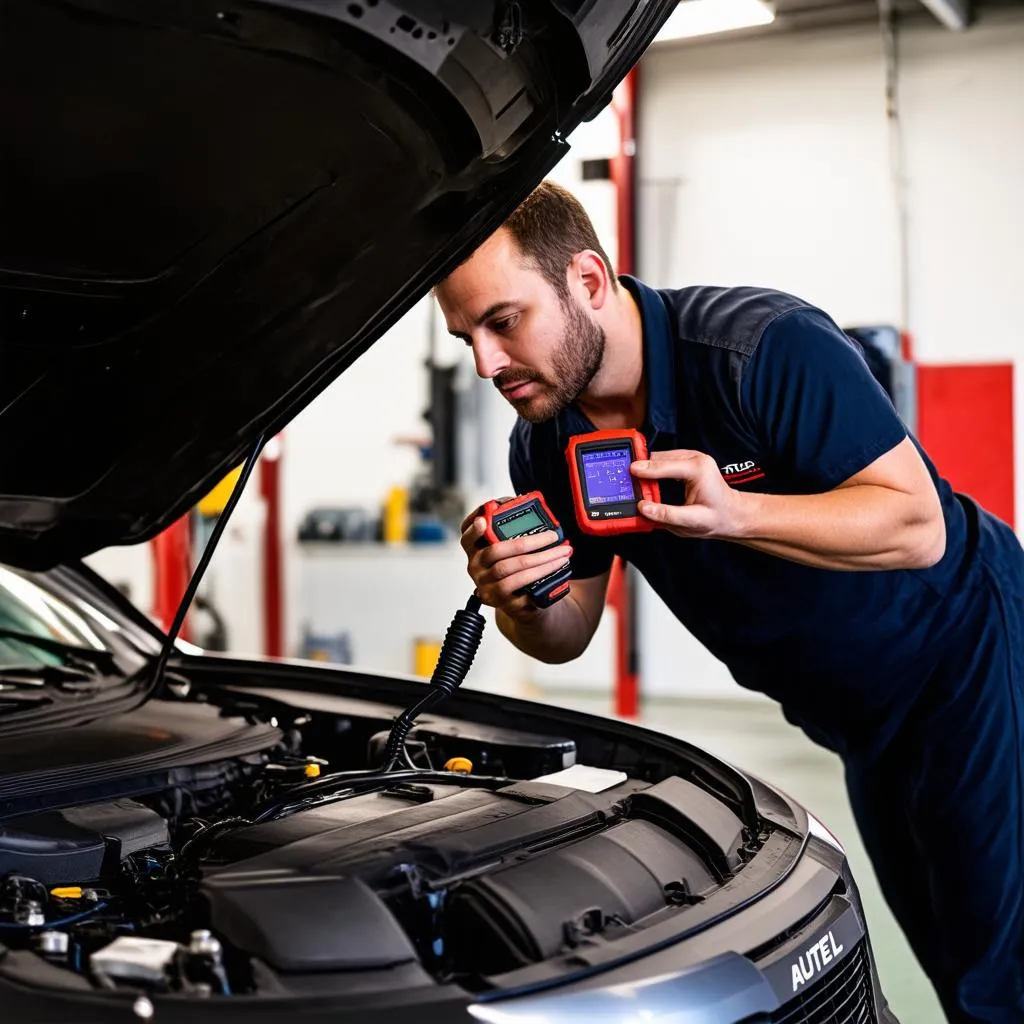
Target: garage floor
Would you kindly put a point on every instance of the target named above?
(754, 735)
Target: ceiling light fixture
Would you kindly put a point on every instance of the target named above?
(705, 17)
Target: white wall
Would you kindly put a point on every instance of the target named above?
(964, 128)
(964, 98)
(774, 153)
(340, 449)
(765, 161)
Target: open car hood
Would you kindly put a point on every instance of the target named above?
(209, 210)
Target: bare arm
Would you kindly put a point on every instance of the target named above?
(563, 631)
(887, 516)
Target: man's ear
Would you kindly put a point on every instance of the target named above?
(589, 277)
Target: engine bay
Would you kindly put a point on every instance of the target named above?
(299, 865)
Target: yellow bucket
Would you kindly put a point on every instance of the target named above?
(425, 655)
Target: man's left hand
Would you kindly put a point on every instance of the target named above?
(711, 508)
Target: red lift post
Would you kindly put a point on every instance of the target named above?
(620, 590)
(173, 564)
(172, 568)
(273, 586)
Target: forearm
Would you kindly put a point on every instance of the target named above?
(862, 527)
(553, 635)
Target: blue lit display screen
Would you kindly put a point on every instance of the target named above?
(606, 476)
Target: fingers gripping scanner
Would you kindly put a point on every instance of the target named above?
(521, 517)
(605, 493)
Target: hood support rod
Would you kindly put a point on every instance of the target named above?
(152, 689)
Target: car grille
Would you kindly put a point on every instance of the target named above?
(843, 996)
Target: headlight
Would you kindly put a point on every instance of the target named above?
(816, 828)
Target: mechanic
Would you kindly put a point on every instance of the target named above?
(805, 539)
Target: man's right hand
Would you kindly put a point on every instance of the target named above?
(501, 569)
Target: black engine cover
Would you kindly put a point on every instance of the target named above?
(520, 873)
(78, 844)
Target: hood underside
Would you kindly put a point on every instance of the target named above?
(208, 211)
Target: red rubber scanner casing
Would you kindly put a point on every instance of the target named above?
(649, 490)
(549, 589)
(491, 507)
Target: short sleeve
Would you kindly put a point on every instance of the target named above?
(819, 411)
(591, 556)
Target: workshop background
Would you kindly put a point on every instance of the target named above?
(867, 160)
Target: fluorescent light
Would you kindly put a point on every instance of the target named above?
(704, 17)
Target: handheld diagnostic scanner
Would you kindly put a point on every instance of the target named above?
(521, 516)
(605, 493)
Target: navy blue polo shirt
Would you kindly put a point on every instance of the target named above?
(784, 402)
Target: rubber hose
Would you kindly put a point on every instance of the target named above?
(461, 643)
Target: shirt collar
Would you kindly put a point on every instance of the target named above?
(659, 369)
(659, 356)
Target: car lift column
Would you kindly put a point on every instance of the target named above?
(622, 584)
(273, 587)
(172, 568)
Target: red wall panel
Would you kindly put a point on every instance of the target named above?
(965, 423)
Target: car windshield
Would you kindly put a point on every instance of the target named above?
(28, 607)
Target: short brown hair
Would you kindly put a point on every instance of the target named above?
(549, 228)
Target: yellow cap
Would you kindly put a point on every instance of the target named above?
(458, 764)
(216, 501)
(312, 771)
(67, 892)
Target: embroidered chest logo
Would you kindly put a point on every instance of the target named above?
(741, 472)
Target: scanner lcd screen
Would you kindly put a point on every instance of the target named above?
(522, 523)
(606, 476)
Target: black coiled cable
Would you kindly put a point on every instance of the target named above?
(461, 643)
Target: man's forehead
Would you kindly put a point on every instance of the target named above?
(499, 247)
(498, 258)
(496, 274)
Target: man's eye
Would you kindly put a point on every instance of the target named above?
(506, 324)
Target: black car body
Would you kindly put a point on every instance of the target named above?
(208, 211)
(684, 888)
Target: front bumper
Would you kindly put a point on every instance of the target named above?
(801, 955)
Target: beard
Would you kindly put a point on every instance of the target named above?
(574, 363)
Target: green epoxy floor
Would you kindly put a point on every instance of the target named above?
(753, 735)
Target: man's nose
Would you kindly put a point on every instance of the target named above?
(489, 357)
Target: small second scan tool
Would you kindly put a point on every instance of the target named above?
(604, 491)
(518, 517)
